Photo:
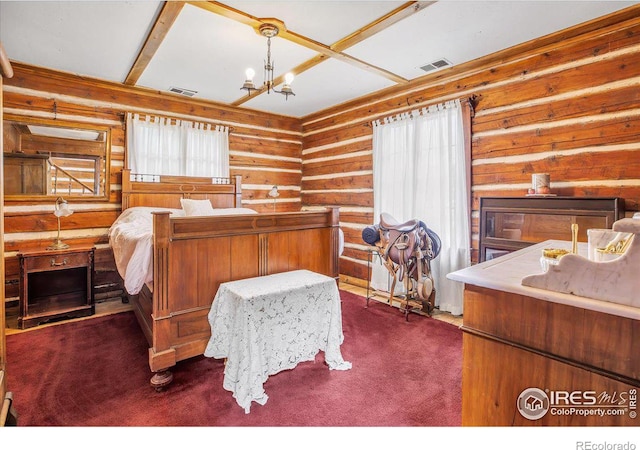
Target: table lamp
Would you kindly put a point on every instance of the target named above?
(274, 194)
(61, 209)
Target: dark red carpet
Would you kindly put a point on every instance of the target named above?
(95, 373)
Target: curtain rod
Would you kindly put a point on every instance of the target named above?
(177, 118)
(471, 101)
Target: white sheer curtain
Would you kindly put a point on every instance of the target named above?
(160, 146)
(153, 145)
(207, 150)
(419, 172)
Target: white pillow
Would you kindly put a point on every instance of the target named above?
(233, 211)
(196, 207)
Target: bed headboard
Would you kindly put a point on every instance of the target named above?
(166, 191)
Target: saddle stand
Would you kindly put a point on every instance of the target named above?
(406, 250)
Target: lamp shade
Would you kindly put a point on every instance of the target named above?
(61, 208)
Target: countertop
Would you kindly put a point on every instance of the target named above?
(506, 273)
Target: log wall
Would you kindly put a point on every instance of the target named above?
(264, 148)
(567, 104)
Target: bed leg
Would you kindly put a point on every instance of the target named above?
(161, 379)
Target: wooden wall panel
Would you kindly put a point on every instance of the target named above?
(363, 181)
(567, 104)
(604, 100)
(276, 146)
(355, 145)
(351, 131)
(238, 160)
(350, 162)
(358, 217)
(593, 133)
(607, 164)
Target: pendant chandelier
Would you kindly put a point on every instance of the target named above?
(268, 30)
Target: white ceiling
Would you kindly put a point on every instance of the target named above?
(208, 53)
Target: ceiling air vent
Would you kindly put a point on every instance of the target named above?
(439, 64)
(181, 91)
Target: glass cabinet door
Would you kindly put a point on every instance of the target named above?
(512, 223)
(530, 227)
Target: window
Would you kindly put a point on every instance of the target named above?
(420, 171)
(164, 146)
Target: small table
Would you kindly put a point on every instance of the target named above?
(55, 284)
(264, 325)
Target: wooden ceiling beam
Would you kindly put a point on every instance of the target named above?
(328, 51)
(402, 12)
(229, 12)
(161, 27)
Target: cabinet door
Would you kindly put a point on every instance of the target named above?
(512, 223)
(537, 227)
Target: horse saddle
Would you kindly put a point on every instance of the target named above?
(389, 223)
(401, 238)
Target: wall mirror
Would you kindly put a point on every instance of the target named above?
(52, 158)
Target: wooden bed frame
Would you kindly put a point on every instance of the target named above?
(193, 255)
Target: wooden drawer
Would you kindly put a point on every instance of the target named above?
(56, 261)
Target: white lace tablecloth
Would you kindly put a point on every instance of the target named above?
(268, 324)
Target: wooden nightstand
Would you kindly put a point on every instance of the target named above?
(55, 284)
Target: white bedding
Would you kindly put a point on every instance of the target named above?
(131, 238)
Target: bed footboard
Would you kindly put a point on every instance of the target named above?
(193, 255)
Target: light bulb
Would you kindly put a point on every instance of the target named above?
(250, 73)
(288, 78)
